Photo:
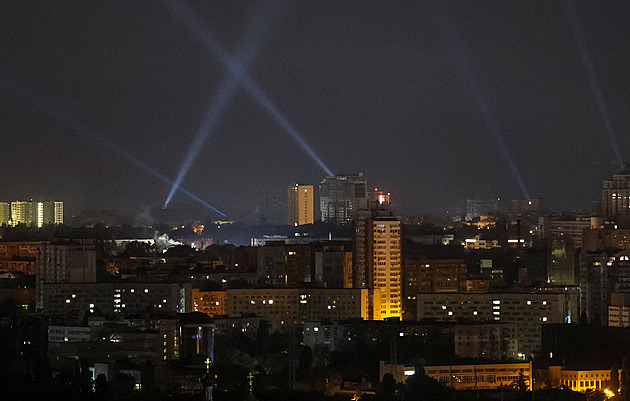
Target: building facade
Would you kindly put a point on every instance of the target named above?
(341, 196)
(289, 307)
(470, 377)
(377, 255)
(115, 299)
(529, 311)
(616, 196)
(34, 214)
(70, 262)
(300, 205)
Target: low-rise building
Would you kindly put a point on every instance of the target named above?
(580, 379)
(469, 377)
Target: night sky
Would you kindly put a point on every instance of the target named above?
(376, 87)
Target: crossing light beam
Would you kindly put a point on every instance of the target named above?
(226, 91)
(78, 129)
(238, 73)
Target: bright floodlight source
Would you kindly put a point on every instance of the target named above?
(76, 128)
(225, 92)
(236, 70)
(467, 76)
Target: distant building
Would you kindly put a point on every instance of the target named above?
(341, 196)
(327, 263)
(565, 227)
(36, 214)
(616, 196)
(482, 207)
(21, 213)
(5, 213)
(300, 205)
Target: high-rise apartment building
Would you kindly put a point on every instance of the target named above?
(616, 196)
(386, 264)
(5, 213)
(341, 196)
(22, 213)
(377, 255)
(299, 205)
(36, 214)
(57, 213)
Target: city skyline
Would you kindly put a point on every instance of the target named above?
(367, 87)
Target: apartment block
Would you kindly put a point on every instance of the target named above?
(527, 310)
